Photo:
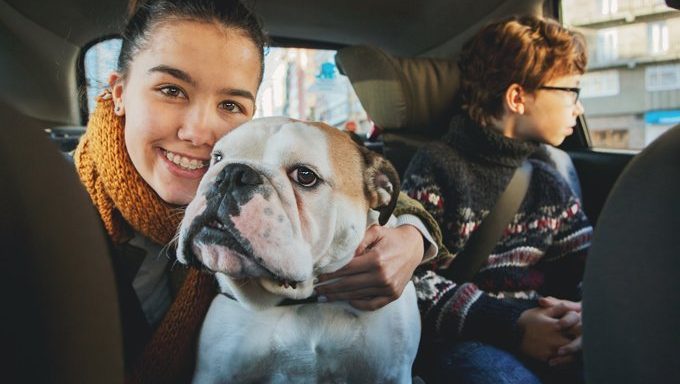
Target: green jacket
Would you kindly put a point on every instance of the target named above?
(407, 205)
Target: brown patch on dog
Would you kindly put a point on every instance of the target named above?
(347, 162)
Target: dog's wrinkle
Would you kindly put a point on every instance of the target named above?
(230, 238)
(278, 189)
(189, 255)
(235, 185)
(228, 206)
(198, 224)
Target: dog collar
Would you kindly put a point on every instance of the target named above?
(286, 302)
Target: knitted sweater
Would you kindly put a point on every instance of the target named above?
(541, 252)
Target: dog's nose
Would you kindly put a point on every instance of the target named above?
(238, 180)
(239, 175)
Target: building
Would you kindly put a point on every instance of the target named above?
(631, 91)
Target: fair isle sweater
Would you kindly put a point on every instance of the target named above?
(541, 253)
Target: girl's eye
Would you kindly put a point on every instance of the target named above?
(231, 107)
(216, 157)
(304, 176)
(171, 91)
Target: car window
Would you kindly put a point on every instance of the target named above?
(631, 91)
(299, 83)
(305, 84)
(100, 60)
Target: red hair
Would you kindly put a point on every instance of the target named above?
(526, 50)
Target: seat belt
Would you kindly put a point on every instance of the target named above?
(482, 241)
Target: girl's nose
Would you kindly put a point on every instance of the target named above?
(198, 127)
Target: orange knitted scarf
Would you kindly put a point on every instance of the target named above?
(126, 202)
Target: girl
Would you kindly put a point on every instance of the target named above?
(188, 73)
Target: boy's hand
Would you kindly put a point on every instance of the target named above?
(549, 301)
(571, 327)
(542, 334)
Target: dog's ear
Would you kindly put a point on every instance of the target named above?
(381, 181)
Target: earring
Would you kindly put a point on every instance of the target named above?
(117, 109)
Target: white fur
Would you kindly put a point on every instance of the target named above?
(309, 343)
(306, 233)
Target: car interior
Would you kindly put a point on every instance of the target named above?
(61, 317)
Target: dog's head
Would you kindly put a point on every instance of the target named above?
(284, 201)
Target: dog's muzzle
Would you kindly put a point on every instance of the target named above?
(234, 186)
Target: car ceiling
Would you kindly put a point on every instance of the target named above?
(42, 40)
(403, 27)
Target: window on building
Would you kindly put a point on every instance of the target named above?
(608, 7)
(657, 34)
(662, 77)
(600, 84)
(607, 47)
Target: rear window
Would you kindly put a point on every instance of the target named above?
(100, 60)
(299, 83)
(305, 84)
(631, 90)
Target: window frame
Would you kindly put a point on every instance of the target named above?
(660, 45)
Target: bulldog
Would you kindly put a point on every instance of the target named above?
(282, 202)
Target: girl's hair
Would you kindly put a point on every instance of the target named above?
(526, 50)
(147, 14)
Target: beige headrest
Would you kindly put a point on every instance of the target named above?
(407, 94)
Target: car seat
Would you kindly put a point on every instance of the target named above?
(60, 322)
(631, 310)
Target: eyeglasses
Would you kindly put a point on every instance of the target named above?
(576, 91)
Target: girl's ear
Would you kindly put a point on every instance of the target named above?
(116, 83)
(515, 99)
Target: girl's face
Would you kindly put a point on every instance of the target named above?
(191, 84)
(550, 114)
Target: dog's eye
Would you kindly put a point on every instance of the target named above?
(304, 176)
(216, 157)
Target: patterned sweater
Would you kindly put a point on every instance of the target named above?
(542, 251)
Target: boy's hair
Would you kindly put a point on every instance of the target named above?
(525, 50)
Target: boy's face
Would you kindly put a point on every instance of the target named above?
(550, 114)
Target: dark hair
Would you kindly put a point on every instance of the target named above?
(526, 50)
(145, 15)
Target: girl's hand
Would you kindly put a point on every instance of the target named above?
(382, 266)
